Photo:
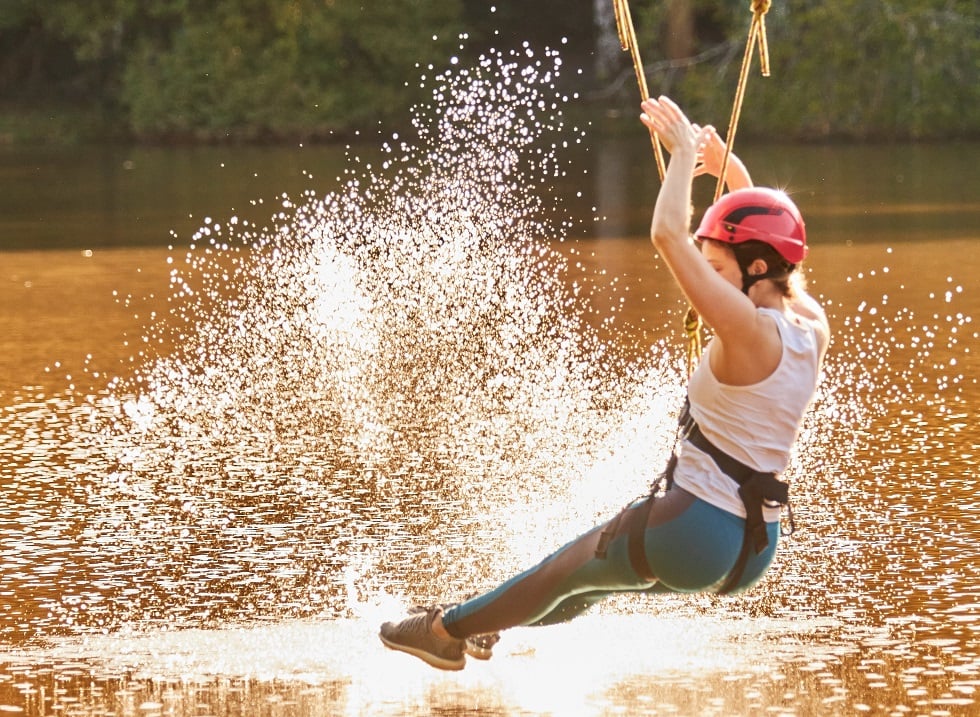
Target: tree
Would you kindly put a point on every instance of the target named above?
(846, 69)
(866, 68)
(230, 68)
(248, 68)
(679, 40)
(253, 69)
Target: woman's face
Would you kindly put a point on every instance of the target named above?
(722, 259)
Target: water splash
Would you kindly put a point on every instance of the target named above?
(412, 334)
(420, 297)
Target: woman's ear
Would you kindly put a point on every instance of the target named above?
(757, 267)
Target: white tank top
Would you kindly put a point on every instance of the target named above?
(756, 424)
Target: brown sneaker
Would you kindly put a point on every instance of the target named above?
(414, 635)
(479, 647)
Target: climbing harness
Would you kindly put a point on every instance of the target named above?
(755, 488)
(757, 36)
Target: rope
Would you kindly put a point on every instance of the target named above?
(692, 327)
(627, 40)
(757, 35)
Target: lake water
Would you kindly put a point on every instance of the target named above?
(240, 431)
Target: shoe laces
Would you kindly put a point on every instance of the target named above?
(421, 623)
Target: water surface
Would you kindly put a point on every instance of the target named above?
(227, 460)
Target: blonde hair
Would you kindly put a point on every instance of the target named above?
(795, 283)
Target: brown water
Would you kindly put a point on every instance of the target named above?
(225, 465)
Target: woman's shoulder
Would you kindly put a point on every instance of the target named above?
(807, 322)
(805, 306)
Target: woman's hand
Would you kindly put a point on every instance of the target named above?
(672, 212)
(679, 134)
(713, 155)
(673, 127)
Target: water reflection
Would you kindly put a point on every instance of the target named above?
(308, 425)
(700, 666)
(874, 604)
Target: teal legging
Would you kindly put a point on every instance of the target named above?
(691, 546)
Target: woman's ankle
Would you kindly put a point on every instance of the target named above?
(439, 630)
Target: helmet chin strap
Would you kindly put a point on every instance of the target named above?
(749, 280)
(774, 270)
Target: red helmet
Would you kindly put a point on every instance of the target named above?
(766, 215)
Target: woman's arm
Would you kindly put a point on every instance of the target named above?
(713, 154)
(722, 305)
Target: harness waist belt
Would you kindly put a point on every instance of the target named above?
(754, 487)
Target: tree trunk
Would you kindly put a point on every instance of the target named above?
(607, 47)
(679, 39)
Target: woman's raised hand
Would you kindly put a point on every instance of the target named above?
(678, 134)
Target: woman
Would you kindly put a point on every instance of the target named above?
(716, 527)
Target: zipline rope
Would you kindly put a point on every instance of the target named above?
(627, 41)
(757, 35)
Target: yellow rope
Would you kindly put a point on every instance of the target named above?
(757, 34)
(627, 40)
(692, 326)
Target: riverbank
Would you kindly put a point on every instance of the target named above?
(68, 126)
(56, 125)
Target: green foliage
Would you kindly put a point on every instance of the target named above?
(854, 69)
(254, 69)
(236, 69)
(896, 69)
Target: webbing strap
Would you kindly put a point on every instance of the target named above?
(636, 516)
(731, 467)
(754, 488)
(638, 523)
(738, 569)
(636, 541)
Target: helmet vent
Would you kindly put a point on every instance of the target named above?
(739, 214)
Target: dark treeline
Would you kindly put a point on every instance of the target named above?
(248, 70)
